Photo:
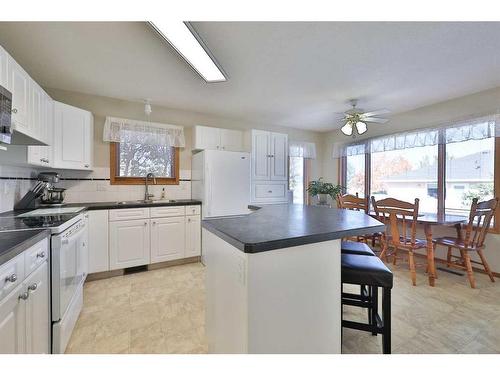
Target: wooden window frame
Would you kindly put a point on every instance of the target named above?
(114, 149)
(342, 178)
(306, 177)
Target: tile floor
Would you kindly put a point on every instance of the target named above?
(162, 311)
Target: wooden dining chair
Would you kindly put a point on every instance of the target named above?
(400, 219)
(480, 216)
(355, 203)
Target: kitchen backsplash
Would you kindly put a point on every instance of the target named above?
(83, 186)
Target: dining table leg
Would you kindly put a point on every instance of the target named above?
(430, 254)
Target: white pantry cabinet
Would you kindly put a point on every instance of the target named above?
(208, 138)
(168, 238)
(269, 167)
(73, 137)
(129, 243)
(24, 312)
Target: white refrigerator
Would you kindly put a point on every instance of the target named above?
(221, 180)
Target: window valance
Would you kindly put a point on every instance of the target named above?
(305, 150)
(459, 131)
(143, 132)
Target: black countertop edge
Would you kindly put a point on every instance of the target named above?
(14, 243)
(253, 248)
(132, 204)
(90, 206)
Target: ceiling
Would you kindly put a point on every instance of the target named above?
(295, 74)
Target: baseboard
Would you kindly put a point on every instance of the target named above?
(150, 267)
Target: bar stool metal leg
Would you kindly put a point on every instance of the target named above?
(386, 313)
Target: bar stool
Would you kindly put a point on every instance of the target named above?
(356, 248)
(372, 272)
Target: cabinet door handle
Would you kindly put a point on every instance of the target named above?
(32, 287)
(269, 191)
(24, 296)
(154, 222)
(12, 278)
(14, 110)
(189, 219)
(145, 223)
(86, 165)
(41, 254)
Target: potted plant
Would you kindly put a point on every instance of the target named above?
(323, 189)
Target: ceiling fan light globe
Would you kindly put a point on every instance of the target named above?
(361, 127)
(346, 129)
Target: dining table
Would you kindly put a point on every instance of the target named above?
(428, 220)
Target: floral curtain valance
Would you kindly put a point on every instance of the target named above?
(460, 131)
(305, 150)
(143, 132)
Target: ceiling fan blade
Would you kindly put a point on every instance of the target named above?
(376, 113)
(377, 120)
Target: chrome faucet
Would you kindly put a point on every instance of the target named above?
(147, 195)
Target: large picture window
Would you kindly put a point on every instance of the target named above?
(445, 168)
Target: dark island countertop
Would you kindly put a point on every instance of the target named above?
(14, 243)
(133, 204)
(279, 226)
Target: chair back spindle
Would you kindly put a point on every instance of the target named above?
(481, 214)
(399, 217)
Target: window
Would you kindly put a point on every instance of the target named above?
(131, 162)
(355, 174)
(469, 173)
(445, 167)
(296, 178)
(406, 174)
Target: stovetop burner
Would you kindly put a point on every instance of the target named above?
(34, 222)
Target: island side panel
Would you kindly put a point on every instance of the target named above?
(294, 299)
(226, 296)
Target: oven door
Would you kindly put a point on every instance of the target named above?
(67, 271)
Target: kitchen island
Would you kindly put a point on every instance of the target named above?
(273, 278)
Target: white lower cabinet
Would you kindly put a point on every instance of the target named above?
(193, 236)
(129, 243)
(13, 323)
(129, 237)
(24, 312)
(37, 311)
(98, 241)
(168, 238)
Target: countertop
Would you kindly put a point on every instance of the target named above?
(279, 226)
(14, 243)
(132, 204)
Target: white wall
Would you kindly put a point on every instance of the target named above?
(482, 103)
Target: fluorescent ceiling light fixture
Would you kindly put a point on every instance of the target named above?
(184, 39)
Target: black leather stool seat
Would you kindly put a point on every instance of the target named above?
(365, 270)
(357, 248)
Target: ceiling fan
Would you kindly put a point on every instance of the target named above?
(356, 118)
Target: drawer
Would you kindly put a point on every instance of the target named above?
(129, 214)
(11, 275)
(270, 191)
(36, 255)
(168, 211)
(193, 210)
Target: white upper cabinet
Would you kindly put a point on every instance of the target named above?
(42, 116)
(73, 137)
(3, 68)
(208, 138)
(279, 156)
(269, 156)
(19, 86)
